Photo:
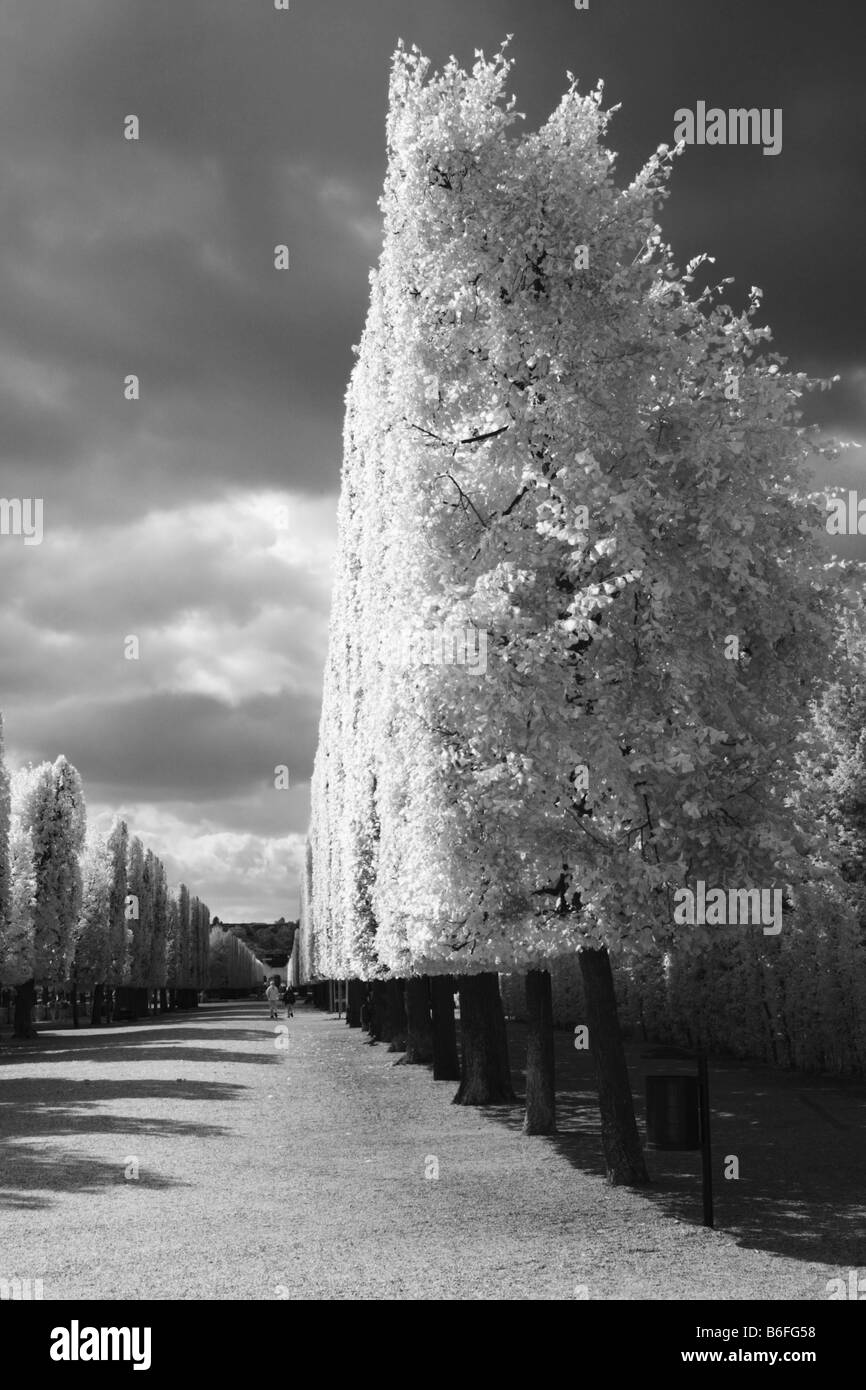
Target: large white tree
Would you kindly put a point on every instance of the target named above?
(119, 931)
(159, 934)
(555, 440)
(49, 800)
(92, 936)
(48, 803)
(18, 962)
(140, 891)
(199, 943)
(184, 938)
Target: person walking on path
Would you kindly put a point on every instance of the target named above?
(272, 994)
(290, 1002)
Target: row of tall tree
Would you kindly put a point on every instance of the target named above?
(233, 967)
(80, 911)
(556, 442)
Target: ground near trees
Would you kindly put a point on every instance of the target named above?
(275, 1174)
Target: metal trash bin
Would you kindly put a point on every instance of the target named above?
(673, 1112)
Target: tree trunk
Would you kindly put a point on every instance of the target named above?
(25, 999)
(377, 1011)
(446, 1063)
(163, 1000)
(419, 1026)
(74, 1004)
(124, 1003)
(540, 1115)
(96, 1011)
(485, 1074)
(367, 1015)
(354, 1002)
(396, 1027)
(619, 1134)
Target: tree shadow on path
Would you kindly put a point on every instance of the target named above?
(45, 1108)
(170, 1052)
(37, 1112)
(31, 1173)
(88, 1045)
(799, 1142)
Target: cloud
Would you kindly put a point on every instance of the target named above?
(242, 875)
(229, 602)
(351, 207)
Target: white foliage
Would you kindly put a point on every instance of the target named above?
(92, 935)
(18, 956)
(49, 800)
(500, 398)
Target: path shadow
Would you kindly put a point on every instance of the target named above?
(41, 1109)
(183, 1021)
(30, 1104)
(800, 1160)
(30, 1174)
(47, 1107)
(169, 1052)
(799, 1141)
(138, 1044)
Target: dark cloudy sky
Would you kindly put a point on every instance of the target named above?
(260, 127)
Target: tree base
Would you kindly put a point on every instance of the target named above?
(25, 999)
(354, 1001)
(485, 1074)
(395, 1027)
(446, 1060)
(96, 1006)
(623, 1153)
(419, 1031)
(540, 1117)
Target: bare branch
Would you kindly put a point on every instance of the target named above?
(466, 500)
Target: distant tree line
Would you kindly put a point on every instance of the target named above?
(86, 914)
(234, 968)
(264, 938)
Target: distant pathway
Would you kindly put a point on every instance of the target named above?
(265, 1173)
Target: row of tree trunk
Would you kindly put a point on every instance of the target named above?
(127, 1002)
(416, 1017)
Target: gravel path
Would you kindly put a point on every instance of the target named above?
(302, 1164)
